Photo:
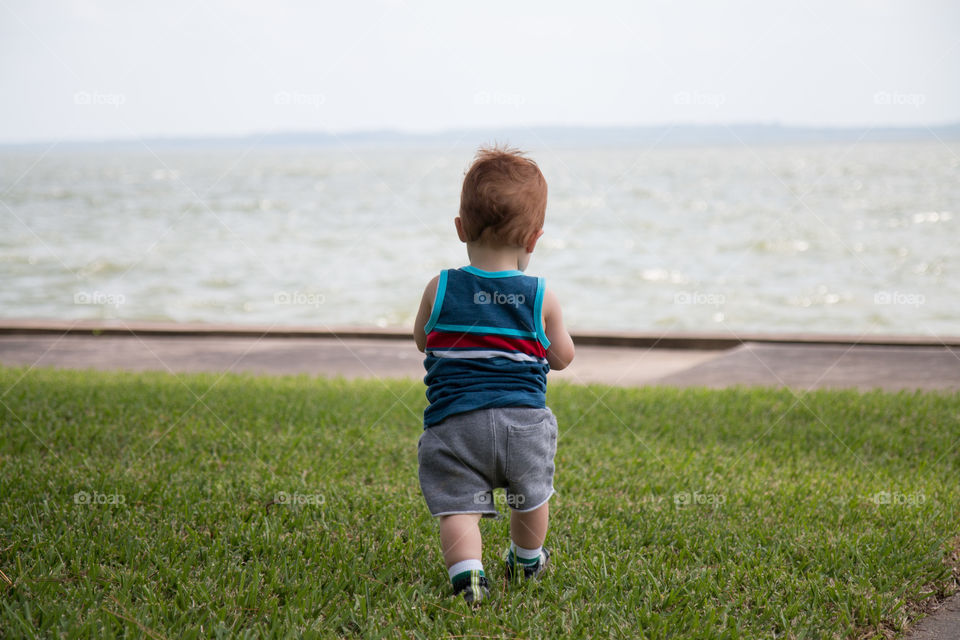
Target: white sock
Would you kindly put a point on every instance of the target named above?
(526, 556)
(464, 565)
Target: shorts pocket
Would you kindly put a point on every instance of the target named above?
(529, 463)
(519, 419)
(536, 430)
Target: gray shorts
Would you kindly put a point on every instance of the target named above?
(466, 456)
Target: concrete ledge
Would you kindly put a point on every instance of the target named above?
(672, 340)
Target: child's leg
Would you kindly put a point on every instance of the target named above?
(462, 545)
(527, 532)
(460, 538)
(528, 529)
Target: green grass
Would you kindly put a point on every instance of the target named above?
(782, 536)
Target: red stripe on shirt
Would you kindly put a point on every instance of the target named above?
(444, 340)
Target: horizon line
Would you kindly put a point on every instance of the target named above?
(413, 134)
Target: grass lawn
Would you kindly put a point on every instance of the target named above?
(149, 505)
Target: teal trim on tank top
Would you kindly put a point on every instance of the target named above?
(466, 328)
(437, 303)
(491, 274)
(538, 314)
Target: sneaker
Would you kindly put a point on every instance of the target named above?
(530, 571)
(473, 586)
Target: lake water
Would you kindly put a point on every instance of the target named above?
(842, 238)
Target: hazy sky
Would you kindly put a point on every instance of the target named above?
(89, 70)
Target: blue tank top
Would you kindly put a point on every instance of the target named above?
(486, 345)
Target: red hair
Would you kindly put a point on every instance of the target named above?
(504, 197)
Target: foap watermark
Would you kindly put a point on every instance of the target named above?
(95, 497)
(898, 498)
(897, 99)
(99, 298)
(299, 99)
(498, 297)
(299, 298)
(698, 498)
(515, 500)
(499, 99)
(695, 98)
(899, 298)
(98, 99)
(282, 497)
(699, 298)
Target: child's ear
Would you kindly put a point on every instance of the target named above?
(460, 233)
(533, 241)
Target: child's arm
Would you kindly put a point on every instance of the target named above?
(560, 352)
(426, 307)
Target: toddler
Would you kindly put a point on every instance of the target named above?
(490, 334)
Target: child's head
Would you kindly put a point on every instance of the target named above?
(504, 199)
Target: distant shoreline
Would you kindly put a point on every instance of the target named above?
(646, 340)
(679, 135)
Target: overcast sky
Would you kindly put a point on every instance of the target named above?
(80, 69)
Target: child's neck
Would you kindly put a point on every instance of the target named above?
(487, 258)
